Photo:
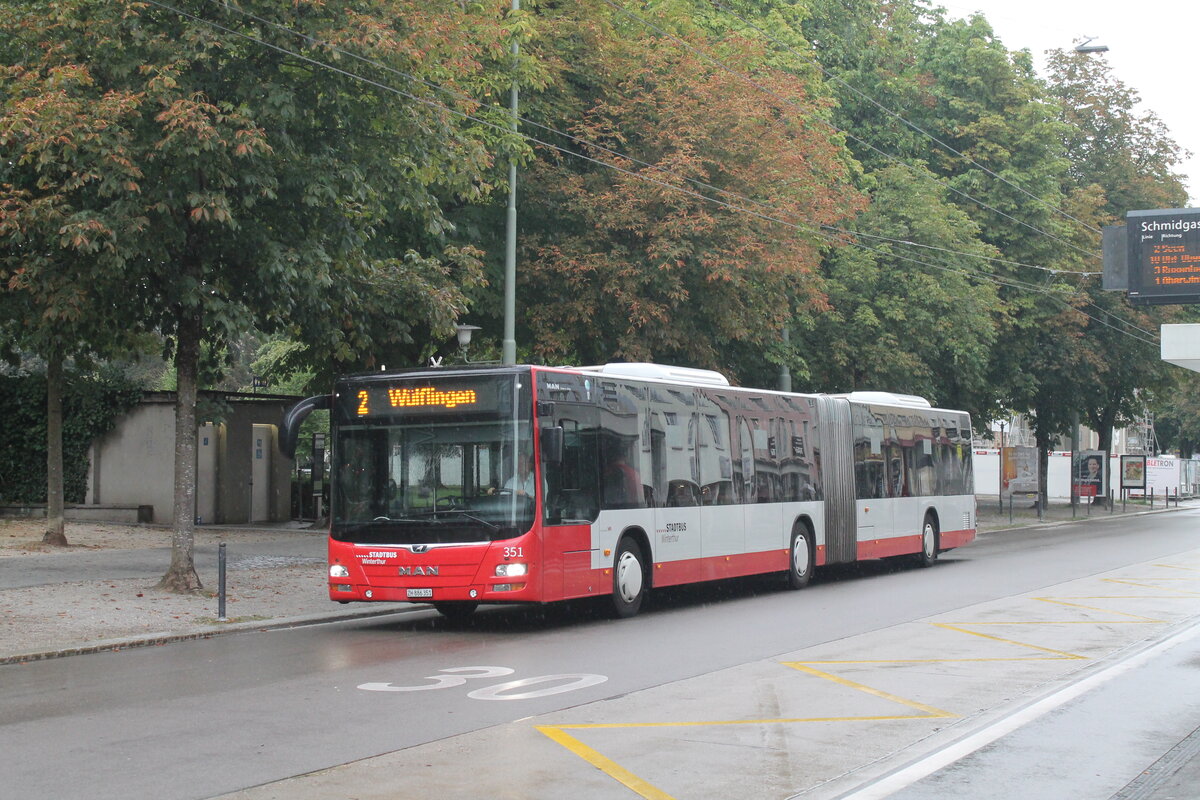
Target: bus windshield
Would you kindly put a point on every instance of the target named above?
(413, 467)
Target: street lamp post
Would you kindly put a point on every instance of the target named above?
(785, 374)
(509, 346)
(1002, 465)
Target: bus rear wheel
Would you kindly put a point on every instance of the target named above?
(629, 579)
(800, 565)
(929, 543)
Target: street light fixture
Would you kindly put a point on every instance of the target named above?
(1086, 46)
(464, 341)
(464, 334)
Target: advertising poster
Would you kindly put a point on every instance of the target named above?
(1089, 468)
(1133, 472)
(1020, 475)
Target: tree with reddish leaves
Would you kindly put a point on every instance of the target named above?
(688, 217)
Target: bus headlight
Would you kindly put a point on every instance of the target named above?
(511, 570)
(338, 571)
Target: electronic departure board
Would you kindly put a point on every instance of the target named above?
(1164, 256)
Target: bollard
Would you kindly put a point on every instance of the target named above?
(1010, 509)
(221, 583)
(1152, 497)
(1112, 503)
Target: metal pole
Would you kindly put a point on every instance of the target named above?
(785, 374)
(1074, 456)
(221, 583)
(509, 346)
(1002, 468)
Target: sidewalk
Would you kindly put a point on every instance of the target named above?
(98, 594)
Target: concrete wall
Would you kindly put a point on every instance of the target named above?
(135, 463)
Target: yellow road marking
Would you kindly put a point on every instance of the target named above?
(604, 764)
(1143, 585)
(1059, 653)
(644, 789)
(1138, 619)
(929, 710)
(580, 726)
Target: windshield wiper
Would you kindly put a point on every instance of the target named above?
(436, 513)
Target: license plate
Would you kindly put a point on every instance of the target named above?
(413, 593)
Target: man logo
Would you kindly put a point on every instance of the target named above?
(419, 570)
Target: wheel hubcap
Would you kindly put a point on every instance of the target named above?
(800, 556)
(629, 577)
(930, 540)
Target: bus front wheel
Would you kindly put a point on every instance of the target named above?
(629, 579)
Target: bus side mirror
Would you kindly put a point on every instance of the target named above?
(552, 445)
(296, 415)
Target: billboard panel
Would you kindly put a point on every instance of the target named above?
(1090, 472)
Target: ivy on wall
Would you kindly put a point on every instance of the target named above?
(91, 407)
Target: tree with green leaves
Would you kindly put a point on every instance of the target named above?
(1128, 158)
(288, 168)
(66, 180)
(912, 309)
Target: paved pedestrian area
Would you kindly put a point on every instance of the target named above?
(886, 713)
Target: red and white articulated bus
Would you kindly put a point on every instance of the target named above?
(526, 484)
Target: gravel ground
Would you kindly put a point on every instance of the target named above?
(53, 617)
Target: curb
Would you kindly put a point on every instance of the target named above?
(156, 639)
(1105, 517)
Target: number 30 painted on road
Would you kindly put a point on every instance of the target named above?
(503, 691)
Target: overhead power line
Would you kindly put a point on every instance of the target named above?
(890, 157)
(817, 63)
(597, 146)
(641, 176)
(811, 228)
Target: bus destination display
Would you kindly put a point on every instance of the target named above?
(399, 398)
(1164, 256)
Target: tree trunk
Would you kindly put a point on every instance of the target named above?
(1043, 445)
(181, 575)
(55, 527)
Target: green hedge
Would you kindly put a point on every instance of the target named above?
(91, 407)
